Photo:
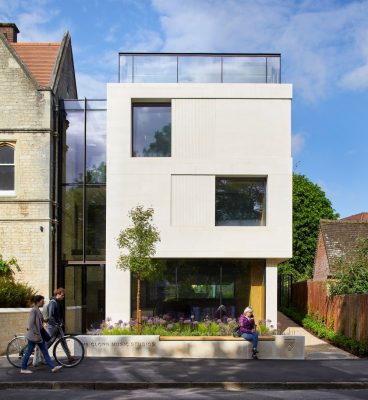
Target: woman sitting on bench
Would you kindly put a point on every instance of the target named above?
(248, 330)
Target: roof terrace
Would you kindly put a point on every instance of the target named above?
(199, 68)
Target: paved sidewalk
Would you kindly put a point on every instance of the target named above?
(315, 348)
(138, 373)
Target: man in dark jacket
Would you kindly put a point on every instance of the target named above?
(55, 312)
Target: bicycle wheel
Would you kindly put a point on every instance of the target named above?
(15, 351)
(68, 351)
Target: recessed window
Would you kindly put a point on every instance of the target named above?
(240, 201)
(6, 168)
(151, 130)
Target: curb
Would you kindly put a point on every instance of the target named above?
(107, 385)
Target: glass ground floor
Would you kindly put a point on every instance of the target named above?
(188, 288)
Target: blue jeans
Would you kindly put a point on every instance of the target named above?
(30, 348)
(251, 337)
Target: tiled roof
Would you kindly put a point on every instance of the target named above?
(363, 216)
(40, 58)
(341, 238)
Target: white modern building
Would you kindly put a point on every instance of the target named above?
(205, 140)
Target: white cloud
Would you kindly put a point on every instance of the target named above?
(323, 44)
(297, 143)
(32, 18)
(142, 41)
(91, 86)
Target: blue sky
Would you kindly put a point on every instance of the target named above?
(324, 46)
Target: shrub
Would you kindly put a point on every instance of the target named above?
(15, 294)
(359, 348)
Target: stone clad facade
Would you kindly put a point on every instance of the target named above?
(27, 123)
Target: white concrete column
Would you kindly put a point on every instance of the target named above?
(117, 293)
(271, 291)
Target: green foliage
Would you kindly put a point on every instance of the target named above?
(159, 326)
(15, 294)
(7, 268)
(140, 241)
(359, 348)
(351, 276)
(162, 144)
(309, 206)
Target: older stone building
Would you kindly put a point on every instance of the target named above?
(338, 239)
(34, 76)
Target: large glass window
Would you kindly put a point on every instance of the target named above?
(6, 168)
(240, 201)
(151, 130)
(196, 288)
(84, 180)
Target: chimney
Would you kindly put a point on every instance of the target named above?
(10, 31)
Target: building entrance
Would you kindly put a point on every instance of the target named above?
(85, 297)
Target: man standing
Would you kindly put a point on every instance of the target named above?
(55, 312)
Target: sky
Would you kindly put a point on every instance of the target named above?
(324, 47)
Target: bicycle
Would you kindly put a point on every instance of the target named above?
(67, 351)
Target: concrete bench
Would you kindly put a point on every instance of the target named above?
(214, 338)
(270, 347)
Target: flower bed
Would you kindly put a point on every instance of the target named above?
(165, 326)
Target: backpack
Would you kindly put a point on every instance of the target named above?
(45, 311)
(236, 331)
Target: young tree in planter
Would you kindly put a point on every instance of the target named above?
(138, 243)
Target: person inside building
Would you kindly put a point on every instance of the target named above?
(36, 335)
(248, 330)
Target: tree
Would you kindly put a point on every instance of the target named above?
(7, 268)
(310, 205)
(351, 273)
(139, 242)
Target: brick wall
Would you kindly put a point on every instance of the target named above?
(321, 267)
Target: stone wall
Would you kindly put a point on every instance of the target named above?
(25, 216)
(12, 321)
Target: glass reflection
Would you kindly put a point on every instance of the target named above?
(73, 152)
(195, 288)
(126, 69)
(273, 70)
(96, 147)
(154, 69)
(151, 130)
(240, 201)
(199, 69)
(72, 223)
(95, 222)
(244, 70)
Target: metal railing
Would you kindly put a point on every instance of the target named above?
(199, 68)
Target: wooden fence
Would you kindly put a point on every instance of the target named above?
(345, 314)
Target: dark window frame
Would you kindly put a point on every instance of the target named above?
(244, 178)
(157, 103)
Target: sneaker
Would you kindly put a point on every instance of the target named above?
(254, 357)
(26, 371)
(57, 368)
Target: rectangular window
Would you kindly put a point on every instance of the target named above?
(151, 130)
(240, 201)
(6, 168)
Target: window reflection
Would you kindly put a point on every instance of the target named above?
(240, 201)
(73, 154)
(96, 147)
(95, 223)
(196, 288)
(152, 130)
(72, 223)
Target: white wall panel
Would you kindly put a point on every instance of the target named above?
(193, 200)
